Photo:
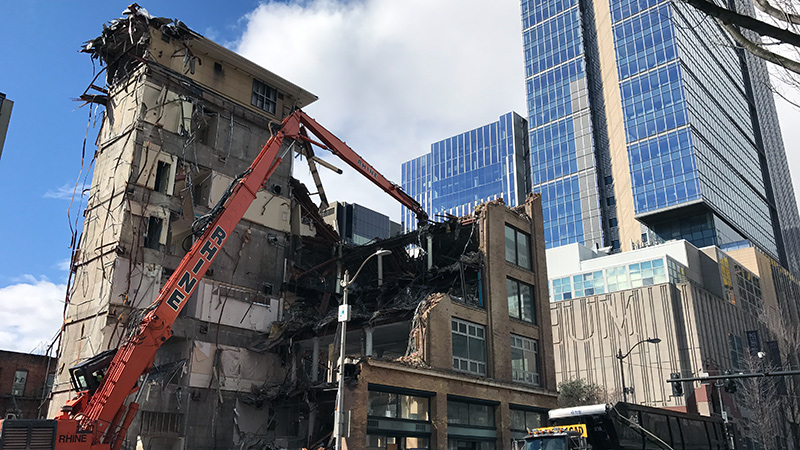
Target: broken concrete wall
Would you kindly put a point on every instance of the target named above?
(233, 305)
(179, 125)
(231, 368)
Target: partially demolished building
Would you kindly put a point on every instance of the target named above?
(453, 347)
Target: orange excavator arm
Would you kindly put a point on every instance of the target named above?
(343, 151)
(99, 418)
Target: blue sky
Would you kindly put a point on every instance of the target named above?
(42, 73)
(392, 77)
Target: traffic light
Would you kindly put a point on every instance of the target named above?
(677, 387)
(729, 384)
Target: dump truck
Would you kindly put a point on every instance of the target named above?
(627, 426)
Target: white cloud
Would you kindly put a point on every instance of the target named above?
(789, 117)
(63, 265)
(32, 314)
(392, 77)
(64, 192)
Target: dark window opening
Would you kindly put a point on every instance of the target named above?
(612, 222)
(521, 300)
(611, 201)
(609, 180)
(264, 97)
(518, 248)
(153, 235)
(162, 177)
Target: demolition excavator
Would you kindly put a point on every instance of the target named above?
(97, 417)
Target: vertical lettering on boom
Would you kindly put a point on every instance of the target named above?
(187, 282)
(175, 299)
(209, 250)
(197, 266)
(218, 235)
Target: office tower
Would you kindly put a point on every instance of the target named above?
(467, 169)
(357, 224)
(646, 123)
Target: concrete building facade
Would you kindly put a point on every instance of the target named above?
(183, 117)
(648, 124)
(712, 310)
(465, 170)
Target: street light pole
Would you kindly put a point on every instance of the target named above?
(344, 317)
(621, 357)
(622, 375)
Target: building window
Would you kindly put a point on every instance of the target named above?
(464, 418)
(470, 414)
(562, 289)
(520, 300)
(20, 379)
(523, 420)
(525, 366)
(264, 96)
(647, 273)
(394, 442)
(611, 201)
(736, 351)
(153, 236)
(163, 423)
(162, 177)
(469, 347)
(612, 222)
(397, 406)
(609, 180)
(518, 248)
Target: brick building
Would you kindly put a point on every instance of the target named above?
(25, 383)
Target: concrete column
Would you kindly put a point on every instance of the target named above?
(315, 360)
(369, 332)
(439, 420)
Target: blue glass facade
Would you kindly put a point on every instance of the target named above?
(564, 165)
(470, 168)
(700, 140)
(690, 137)
(359, 225)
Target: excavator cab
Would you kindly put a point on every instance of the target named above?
(88, 375)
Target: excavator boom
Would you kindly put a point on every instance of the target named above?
(98, 417)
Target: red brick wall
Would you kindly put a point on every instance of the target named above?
(37, 367)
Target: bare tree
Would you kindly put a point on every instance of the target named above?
(778, 27)
(578, 391)
(760, 403)
(787, 336)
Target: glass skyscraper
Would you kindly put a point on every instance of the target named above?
(470, 168)
(357, 224)
(646, 123)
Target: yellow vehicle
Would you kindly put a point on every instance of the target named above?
(570, 437)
